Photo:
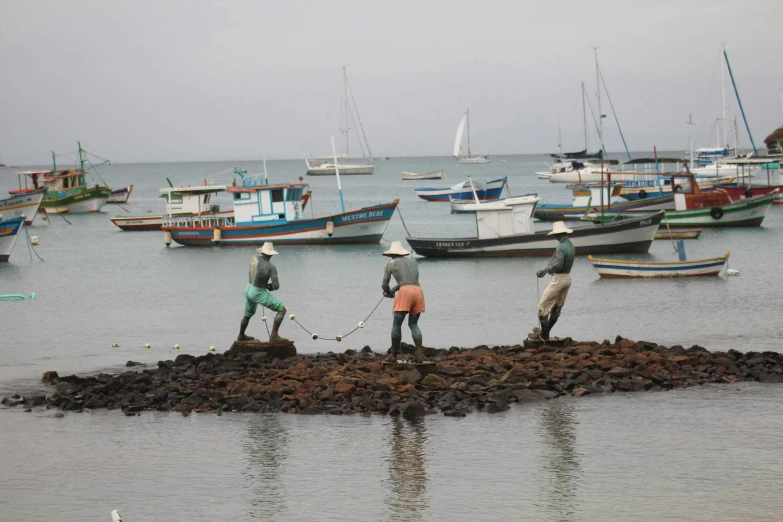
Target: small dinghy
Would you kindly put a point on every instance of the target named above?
(435, 174)
(622, 269)
(121, 195)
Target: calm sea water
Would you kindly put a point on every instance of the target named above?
(707, 454)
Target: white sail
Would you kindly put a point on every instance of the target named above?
(460, 131)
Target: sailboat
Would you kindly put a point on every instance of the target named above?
(458, 153)
(325, 166)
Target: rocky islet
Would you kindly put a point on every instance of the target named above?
(458, 382)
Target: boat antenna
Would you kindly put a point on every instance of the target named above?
(337, 175)
(559, 138)
(723, 96)
(347, 126)
(266, 178)
(601, 125)
(584, 114)
(739, 102)
(690, 138)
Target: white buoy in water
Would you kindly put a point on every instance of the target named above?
(338, 338)
(292, 317)
(115, 345)
(315, 336)
(34, 240)
(115, 516)
(216, 236)
(732, 272)
(167, 237)
(176, 347)
(147, 346)
(44, 217)
(361, 324)
(212, 348)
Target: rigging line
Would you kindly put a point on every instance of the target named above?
(318, 337)
(595, 122)
(61, 215)
(350, 91)
(615, 115)
(358, 138)
(92, 167)
(96, 156)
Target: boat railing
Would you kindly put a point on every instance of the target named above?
(204, 221)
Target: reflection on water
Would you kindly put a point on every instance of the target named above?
(560, 465)
(407, 476)
(267, 448)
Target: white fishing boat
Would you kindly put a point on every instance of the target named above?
(25, 204)
(458, 153)
(326, 166)
(435, 174)
(180, 202)
(9, 232)
(121, 195)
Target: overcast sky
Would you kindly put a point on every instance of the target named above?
(206, 80)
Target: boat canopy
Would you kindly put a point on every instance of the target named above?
(478, 184)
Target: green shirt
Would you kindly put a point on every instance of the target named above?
(563, 259)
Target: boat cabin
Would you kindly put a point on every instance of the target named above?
(688, 195)
(30, 181)
(596, 194)
(507, 217)
(264, 203)
(190, 200)
(64, 180)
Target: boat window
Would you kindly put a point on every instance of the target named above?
(242, 195)
(294, 194)
(277, 195)
(683, 185)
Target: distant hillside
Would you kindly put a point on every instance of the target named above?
(772, 140)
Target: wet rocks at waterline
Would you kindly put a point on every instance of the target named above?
(457, 382)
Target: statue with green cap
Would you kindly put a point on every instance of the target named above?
(262, 280)
(554, 296)
(408, 298)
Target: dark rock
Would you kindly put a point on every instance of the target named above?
(454, 413)
(497, 407)
(49, 377)
(59, 415)
(366, 349)
(413, 410)
(130, 364)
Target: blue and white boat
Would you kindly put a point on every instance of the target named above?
(627, 269)
(485, 191)
(264, 212)
(9, 232)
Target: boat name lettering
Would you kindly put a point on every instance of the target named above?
(645, 223)
(188, 233)
(363, 215)
(451, 244)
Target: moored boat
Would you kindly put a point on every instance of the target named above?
(487, 190)
(25, 204)
(588, 198)
(180, 202)
(274, 213)
(506, 229)
(121, 195)
(628, 269)
(9, 232)
(435, 174)
(679, 233)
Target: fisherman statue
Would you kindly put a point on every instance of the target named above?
(262, 279)
(408, 298)
(553, 299)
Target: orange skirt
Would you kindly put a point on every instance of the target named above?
(409, 298)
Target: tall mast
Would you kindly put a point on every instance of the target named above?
(345, 95)
(584, 114)
(559, 138)
(736, 138)
(723, 94)
(600, 125)
(54, 162)
(739, 102)
(468, 125)
(690, 139)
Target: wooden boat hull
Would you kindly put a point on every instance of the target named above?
(410, 176)
(621, 269)
(345, 170)
(559, 213)
(629, 236)
(366, 225)
(493, 191)
(745, 213)
(89, 200)
(120, 195)
(25, 204)
(9, 233)
(738, 191)
(680, 233)
(147, 223)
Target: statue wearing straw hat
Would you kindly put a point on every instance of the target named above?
(554, 297)
(408, 298)
(262, 279)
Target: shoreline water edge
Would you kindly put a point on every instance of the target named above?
(457, 381)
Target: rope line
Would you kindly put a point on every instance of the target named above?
(341, 337)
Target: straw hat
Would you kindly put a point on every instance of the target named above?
(396, 249)
(267, 249)
(560, 228)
